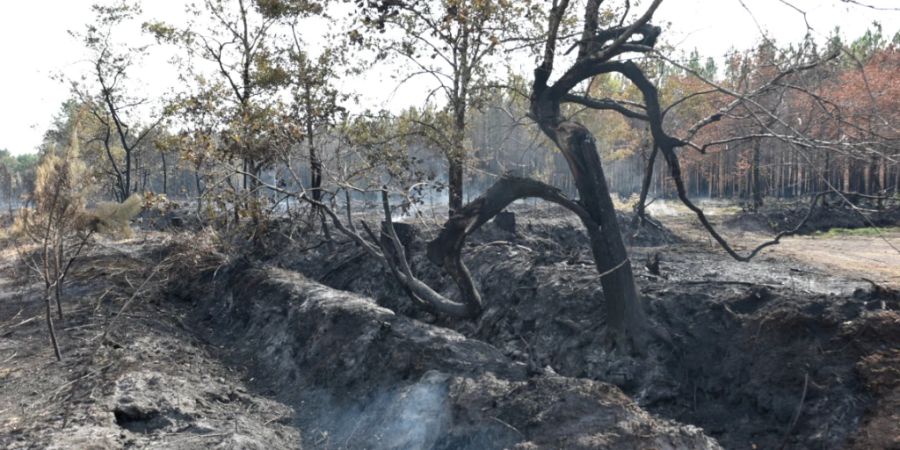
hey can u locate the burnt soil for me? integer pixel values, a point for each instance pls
(305, 345)
(151, 382)
(744, 338)
(786, 216)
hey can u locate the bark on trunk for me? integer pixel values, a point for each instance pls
(641, 206)
(48, 300)
(625, 316)
(456, 161)
(199, 191)
(756, 180)
(623, 308)
(165, 174)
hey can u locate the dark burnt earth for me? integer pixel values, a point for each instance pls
(302, 346)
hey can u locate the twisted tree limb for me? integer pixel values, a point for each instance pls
(445, 250)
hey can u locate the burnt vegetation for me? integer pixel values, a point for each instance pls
(624, 245)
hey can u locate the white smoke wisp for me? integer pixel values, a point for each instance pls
(411, 417)
(663, 208)
(416, 417)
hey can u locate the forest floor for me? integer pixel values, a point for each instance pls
(865, 253)
(795, 349)
(150, 382)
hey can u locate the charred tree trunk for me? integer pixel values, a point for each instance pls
(199, 186)
(315, 164)
(625, 316)
(456, 161)
(641, 206)
(723, 176)
(165, 173)
(845, 185)
(48, 300)
(315, 173)
(623, 306)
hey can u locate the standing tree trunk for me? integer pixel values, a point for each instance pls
(755, 179)
(641, 206)
(199, 190)
(623, 307)
(456, 157)
(723, 176)
(315, 165)
(626, 321)
(128, 188)
(48, 300)
(165, 173)
(867, 177)
(49, 283)
(845, 185)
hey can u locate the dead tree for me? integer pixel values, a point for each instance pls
(599, 52)
(596, 50)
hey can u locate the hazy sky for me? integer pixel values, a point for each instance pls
(34, 44)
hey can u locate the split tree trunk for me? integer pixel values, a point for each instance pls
(623, 307)
(625, 316)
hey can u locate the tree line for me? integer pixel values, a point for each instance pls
(264, 104)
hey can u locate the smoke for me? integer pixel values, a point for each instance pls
(664, 208)
(672, 208)
(411, 417)
(415, 417)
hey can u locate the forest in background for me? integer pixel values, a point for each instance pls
(274, 110)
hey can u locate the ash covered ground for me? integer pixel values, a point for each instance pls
(190, 339)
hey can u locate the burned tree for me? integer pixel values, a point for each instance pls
(601, 46)
(598, 53)
(594, 208)
(596, 50)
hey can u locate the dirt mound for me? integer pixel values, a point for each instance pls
(760, 341)
(739, 353)
(260, 356)
(783, 218)
(881, 372)
(554, 219)
(364, 377)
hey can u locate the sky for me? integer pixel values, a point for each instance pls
(35, 45)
